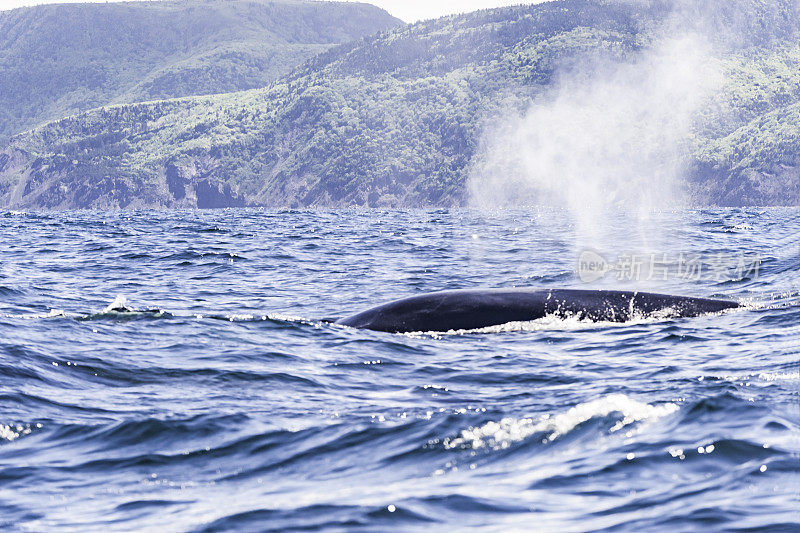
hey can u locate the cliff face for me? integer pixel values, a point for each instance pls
(397, 118)
(59, 60)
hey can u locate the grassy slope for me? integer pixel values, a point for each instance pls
(751, 153)
(394, 120)
(58, 60)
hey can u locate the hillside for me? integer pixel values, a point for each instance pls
(59, 60)
(396, 119)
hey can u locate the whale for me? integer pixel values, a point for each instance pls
(472, 309)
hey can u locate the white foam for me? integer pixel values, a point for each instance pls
(499, 435)
(553, 322)
(240, 318)
(278, 317)
(13, 432)
(51, 314)
(287, 318)
(779, 376)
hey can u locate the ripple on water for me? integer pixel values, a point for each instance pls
(213, 396)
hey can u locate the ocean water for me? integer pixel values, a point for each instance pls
(178, 371)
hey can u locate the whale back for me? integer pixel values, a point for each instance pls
(474, 309)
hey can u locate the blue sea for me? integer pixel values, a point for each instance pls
(180, 371)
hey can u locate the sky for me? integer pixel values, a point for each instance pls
(407, 10)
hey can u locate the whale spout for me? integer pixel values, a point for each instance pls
(474, 309)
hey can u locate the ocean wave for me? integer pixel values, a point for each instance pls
(7, 291)
(189, 256)
(121, 308)
(53, 313)
(210, 394)
(319, 517)
(501, 434)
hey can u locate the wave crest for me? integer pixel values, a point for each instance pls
(500, 435)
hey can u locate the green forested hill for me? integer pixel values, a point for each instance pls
(395, 119)
(58, 60)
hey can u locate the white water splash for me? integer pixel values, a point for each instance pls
(499, 435)
(13, 432)
(120, 304)
(53, 313)
(559, 323)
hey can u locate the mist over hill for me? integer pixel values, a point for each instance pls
(58, 60)
(459, 109)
